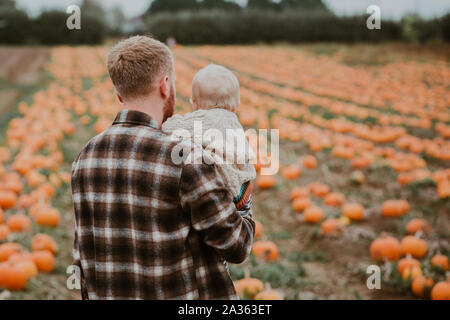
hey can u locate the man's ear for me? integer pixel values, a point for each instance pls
(164, 87)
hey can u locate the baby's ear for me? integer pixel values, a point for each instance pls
(194, 104)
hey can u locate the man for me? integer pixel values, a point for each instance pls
(146, 227)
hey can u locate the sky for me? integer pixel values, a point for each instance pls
(394, 9)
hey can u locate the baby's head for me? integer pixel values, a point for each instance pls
(215, 87)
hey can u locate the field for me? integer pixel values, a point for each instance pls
(364, 159)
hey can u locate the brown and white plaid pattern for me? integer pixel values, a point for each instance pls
(147, 228)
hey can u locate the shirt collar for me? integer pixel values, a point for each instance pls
(135, 117)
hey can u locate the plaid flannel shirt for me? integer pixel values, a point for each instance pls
(147, 228)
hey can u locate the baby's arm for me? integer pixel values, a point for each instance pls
(243, 201)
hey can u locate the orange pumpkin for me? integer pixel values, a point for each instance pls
(394, 208)
(248, 287)
(43, 241)
(313, 215)
(441, 291)
(8, 199)
(291, 172)
(301, 204)
(416, 225)
(309, 162)
(14, 277)
(266, 181)
(268, 295)
(353, 211)
(24, 260)
(407, 262)
(299, 192)
(8, 249)
(319, 190)
(44, 260)
(440, 261)
(331, 226)
(4, 232)
(385, 248)
(19, 223)
(2, 216)
(414, 246)
(258, 229)
(335, 199)
(49, 217)
(411, 272)
(420, 285)
(265, 250)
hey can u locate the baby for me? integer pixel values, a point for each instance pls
(215, 98)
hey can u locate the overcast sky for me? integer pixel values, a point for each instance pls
(389, 8)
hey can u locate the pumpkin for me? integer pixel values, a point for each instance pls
(309, 162)
(353, 211)
(331, 226)
(407, 262)
(266, 181)
(4, 232)
(361, 162)
(440, 261)
(385, 248)
(5, 154)
(411, 272)
(405, 178)
(249, 287)
(301, 204)
(319, 190)
(2, 216)
(65, 177)
(55, 180)
(268, 295)
(335, 199)
(265, 250)
(414, 246)
(43, 241)
(19, 222)
(258, 229)
(299, 192)
(441, 291)
(291, 172)
(420, 285)
(416, 225)
(394, 208)
(443, 189)
(44, 260)
(313, 215)
(8, 199)
(14, 185)
(24, 260)
(14, 277)
(8, 249)
(49, 217)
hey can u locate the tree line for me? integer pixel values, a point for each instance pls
(214, 22)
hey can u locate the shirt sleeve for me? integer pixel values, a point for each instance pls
(77, 264)
(214, 214)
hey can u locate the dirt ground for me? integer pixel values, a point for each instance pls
(22, 65)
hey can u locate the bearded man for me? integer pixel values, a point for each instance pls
(148, 227)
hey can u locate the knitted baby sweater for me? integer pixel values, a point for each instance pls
(221, 135)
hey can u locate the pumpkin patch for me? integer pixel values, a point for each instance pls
(363, 174)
